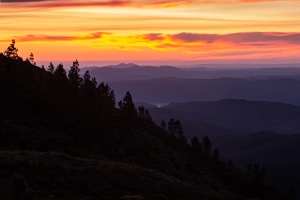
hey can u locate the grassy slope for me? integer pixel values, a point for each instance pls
(66, 177)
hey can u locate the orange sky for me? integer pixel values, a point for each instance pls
(153, 31)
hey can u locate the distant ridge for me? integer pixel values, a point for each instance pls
(164, 90)
(252, 115)
(118, 66)
(132, 71)
(123, 65)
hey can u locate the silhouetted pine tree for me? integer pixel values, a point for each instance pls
(179, 131)
(87, 95)
(11, 51)
(171, 127)
(88, 88)
(141, 111)
(112, 97)
(163, 124)
(128, 109)
(127, 105)
(31, 59)
(206, 144)
(148, 116)
(216, 155)
(144, 114)
(60, 74)
(104, 107)
(51, 68)
(196, 149)
(75, 79)
(61, 92)
(196, 144)
(171, 130)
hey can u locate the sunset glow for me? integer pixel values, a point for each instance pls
(153, 31)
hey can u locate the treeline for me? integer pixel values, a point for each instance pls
(49, 109)
(78, 107)
(204, 147)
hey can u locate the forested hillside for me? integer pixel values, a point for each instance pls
(64, 137)
(254, 132)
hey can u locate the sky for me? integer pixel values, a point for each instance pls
(156, 32)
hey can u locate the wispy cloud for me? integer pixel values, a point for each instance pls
(190, 46)
(123, 3)
(172, 40)
(103, 3)
(237, 38)
(57, 38)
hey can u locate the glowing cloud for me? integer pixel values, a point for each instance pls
(124, 3)
(47, 38)
(153, 29)
(159, 41)
(104, 3)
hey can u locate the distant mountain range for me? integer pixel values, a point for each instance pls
(166, 84)
(133, 71)
(165, 90)
(242, 114)
(123, 65)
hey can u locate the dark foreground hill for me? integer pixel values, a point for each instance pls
(61, 176)
(231, 125)
(62, 137)
(277, 152)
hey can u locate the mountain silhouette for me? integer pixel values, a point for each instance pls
(168, 89)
